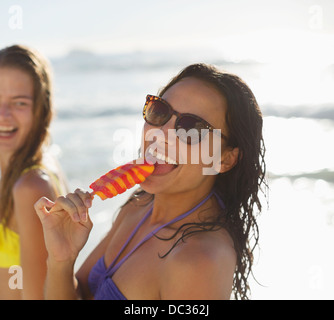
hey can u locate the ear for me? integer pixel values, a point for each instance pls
(228, 160)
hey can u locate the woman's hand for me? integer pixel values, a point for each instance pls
(66, 224)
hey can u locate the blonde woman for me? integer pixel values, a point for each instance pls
(26, 172)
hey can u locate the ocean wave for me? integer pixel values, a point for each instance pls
(85, 77)
(82, 112)
(87, 61)
(325, 174)
(325, 112)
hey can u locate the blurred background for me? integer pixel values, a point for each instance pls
(107, 55)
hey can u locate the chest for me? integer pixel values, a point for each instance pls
(136, 259)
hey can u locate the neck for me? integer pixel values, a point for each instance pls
(169, 206)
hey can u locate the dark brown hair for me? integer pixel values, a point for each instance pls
(30, 153)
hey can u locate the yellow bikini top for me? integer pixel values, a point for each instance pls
(10, 240)
(9, 247)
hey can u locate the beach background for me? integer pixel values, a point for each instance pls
(107, 55)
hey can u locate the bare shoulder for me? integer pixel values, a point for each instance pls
(200, 268)
(33, 182)
(30, 187)
(206, 249)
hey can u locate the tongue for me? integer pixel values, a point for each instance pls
(163, 168)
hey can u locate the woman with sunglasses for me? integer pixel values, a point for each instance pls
(183, 234)
(27, 170)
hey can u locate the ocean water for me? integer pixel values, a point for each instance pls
(99, 100)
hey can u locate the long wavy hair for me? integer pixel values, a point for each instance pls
(239, 187)
(30, 152)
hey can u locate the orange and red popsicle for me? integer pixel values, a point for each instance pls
(120, 179)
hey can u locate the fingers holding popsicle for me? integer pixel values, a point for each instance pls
(114, 182)
(76, 205)
(107, 186)
(66, 224)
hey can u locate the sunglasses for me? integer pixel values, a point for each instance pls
(158, 112)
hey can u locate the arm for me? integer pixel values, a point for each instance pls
(66, 226)
(60, 283)
(27, 190)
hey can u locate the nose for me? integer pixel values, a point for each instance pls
(5, 111)
(169, 131)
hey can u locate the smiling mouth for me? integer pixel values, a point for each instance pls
(7, 131)
(163, 164)
(161, 157)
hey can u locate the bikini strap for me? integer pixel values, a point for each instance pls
(130, 238)
(219, 199)
(113, 268)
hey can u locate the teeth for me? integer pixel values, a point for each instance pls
(6, 129)
(161, 156)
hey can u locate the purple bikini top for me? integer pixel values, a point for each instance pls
(100, 277)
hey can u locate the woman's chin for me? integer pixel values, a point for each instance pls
(160, 181)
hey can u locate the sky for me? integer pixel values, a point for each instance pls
(240, 29)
